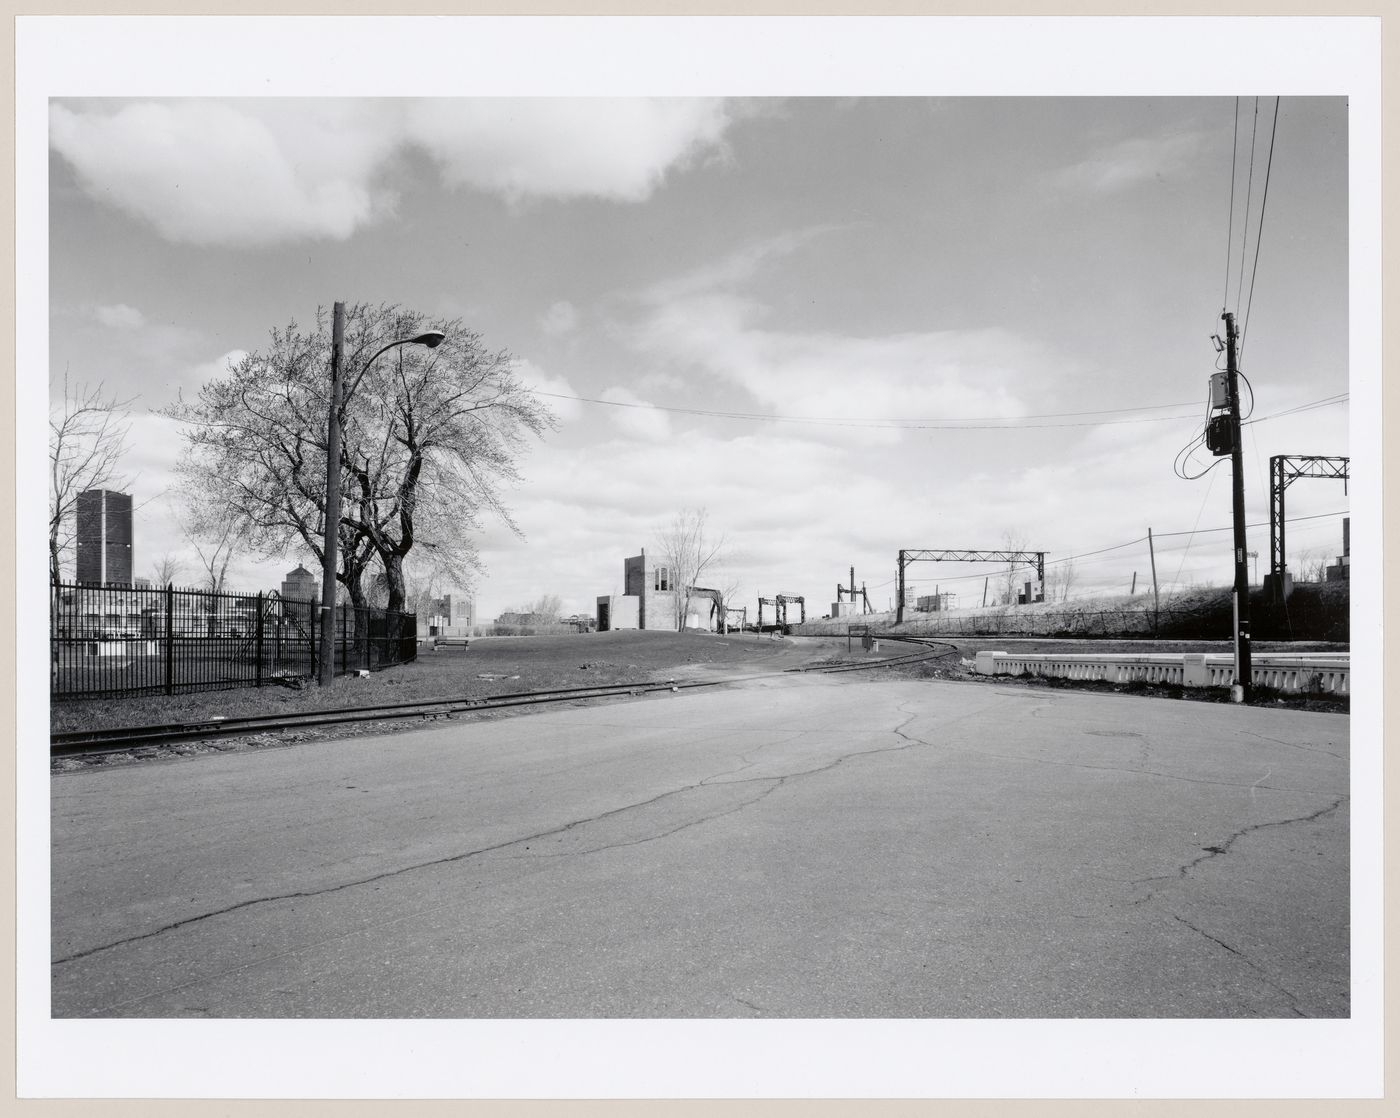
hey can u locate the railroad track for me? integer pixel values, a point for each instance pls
(125, 739)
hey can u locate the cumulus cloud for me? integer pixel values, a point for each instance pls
(636, 417)
(610, 148)
(120, 317)
(257, 172)
(207, 173)
(552, 389)
(1126, 164)
(736, 267)
(970, 374)
(560, 318)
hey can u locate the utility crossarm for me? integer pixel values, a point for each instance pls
(1284, 469)
(907, 556)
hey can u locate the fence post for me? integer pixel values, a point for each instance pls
(344, 633)
(170, 638)
(367, 633)
(258, 639)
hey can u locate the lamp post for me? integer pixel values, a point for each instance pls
(330, 554)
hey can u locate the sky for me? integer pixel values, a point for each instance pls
(841, 326)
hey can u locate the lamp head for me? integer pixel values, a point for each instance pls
(432, 339)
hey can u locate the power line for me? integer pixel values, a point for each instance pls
(1230, 228)
(968, 424)
(1314, 405)
(1259, 236)
(1248, 199)
(1002, 568)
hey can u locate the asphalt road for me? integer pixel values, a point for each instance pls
(795, 847)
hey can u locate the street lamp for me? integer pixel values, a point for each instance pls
(330, 554)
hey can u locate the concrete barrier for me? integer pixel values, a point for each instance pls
(1283, 671)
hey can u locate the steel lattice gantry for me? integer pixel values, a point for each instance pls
(1284, 469)
(911, 556)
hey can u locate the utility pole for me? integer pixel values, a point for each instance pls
(1156, 601)
(330, 558)
(1244, 665)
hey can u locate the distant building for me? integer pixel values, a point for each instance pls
(105, 538)
(452, 615)
(454, 611)
(300, 589)
(649, 600)
(1342, 568)
(935, 603)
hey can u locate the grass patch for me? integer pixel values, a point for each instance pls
(488, 666)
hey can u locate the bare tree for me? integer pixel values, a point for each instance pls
(213, 541)
(165, 571)
(1011, 541)
(1060, 581)
(545, 609)
(1312, 565)
(690, 553)
(87, 439)
(430, 438)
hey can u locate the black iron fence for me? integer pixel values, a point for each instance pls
(108, 640)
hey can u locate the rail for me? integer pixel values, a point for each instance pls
(123, 739)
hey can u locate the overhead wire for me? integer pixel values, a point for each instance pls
(1097, 553)
(1248, 203)
(1259, 235)
(977, 423)
(1230, 234)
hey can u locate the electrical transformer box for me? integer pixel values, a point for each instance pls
(1219, 433)
(1220, 390)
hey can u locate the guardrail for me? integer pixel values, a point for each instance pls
(1283, 671)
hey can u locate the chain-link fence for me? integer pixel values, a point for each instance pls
(107, 640)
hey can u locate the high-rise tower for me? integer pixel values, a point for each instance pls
(104, 538)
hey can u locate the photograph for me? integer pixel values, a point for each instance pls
(625, 554)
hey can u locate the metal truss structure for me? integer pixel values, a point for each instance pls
(907, 556)
(1284, 469)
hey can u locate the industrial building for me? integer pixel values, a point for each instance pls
(648, 601)
(104, 534)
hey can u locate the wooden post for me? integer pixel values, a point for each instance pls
(1156, 601)
(330, 557)
(170, 638)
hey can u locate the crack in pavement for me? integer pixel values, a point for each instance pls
(1218, 849)
(1292, 745)
(1123, 769)
(1292, 998)
(776, 781)
(301, 894)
